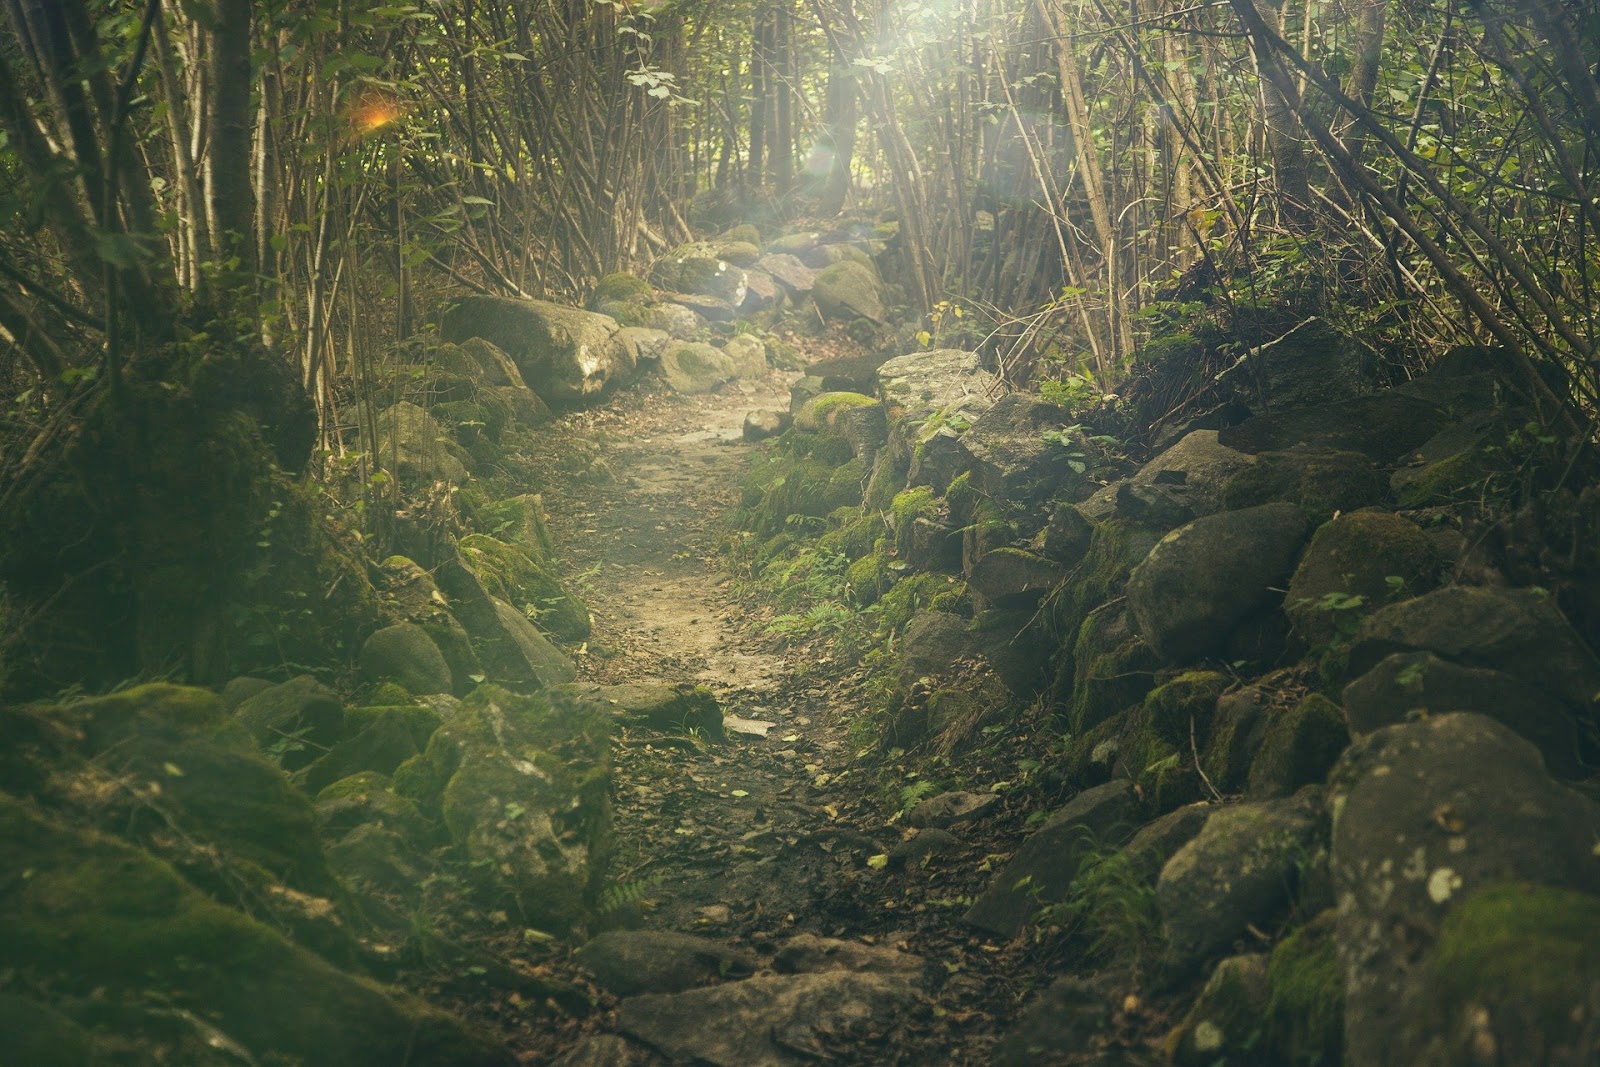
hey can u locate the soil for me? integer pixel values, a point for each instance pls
(780, 828)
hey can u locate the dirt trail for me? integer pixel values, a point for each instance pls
(764, 835)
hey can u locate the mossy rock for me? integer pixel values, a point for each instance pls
(868, 578)
(303, 595)
(384, 738)
(384, 695)
(1091, 756)
(786, 487)
(216, 787)
(1224, 1022)
(1305, 1009)
(1112, 668)
(1115, 547)
(473, 422)
(366, 799)
(1182, 708)
(510, 574)
(855, 533)
(94, 914)
(1321, 483)
(845, 484)
(913, 594)
(520, 521)
(1299, 747)
(1354, 565)
(1237, 730)
(420, 722)
(1516, 966)
(621, 288)
(525, 796)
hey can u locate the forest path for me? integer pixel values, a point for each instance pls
(772, 832)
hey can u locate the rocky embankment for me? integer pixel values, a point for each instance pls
(1325, 760)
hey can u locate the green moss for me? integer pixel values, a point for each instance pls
(1112, 669)
(520, 521)
(961, 499)
(868, 578)
(911, 595)
(855, 533)
(829, 403)
(1528, 956)
(916, 502)
(93, 914)
(508, 572)
(957, 601)
(218, 789)
(40, 1036)
(845, 484)
(1224, 1026)
(622, 288)
(1184, 705)
(1451, 479)
(419, 722)
(390, 694)
(1305, 1012)
(354, 785)
(1115, 548)
(789, 486)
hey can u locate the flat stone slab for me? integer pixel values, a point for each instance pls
(773, 1020)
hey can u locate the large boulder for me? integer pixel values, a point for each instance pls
(89, 916)
(1516, 970)
(696, 367)
(291, 719)
(1519, 631)
(1013, 578)
(698, 269)
(410, 594)
(1405, 684)
(416, 447)
(523, 786)
(916, 385)
(404, 653)
(1193, 472)
(1323, 482)
(788, 271)
(1425, 815)
(1240, 870)
(510, 574)
(781, 1020)
(510, 648)
(848, 290)
(1354, 565)
(1019, 451)
(218, 795)
(1383, 427)
(1298, 747)
(858, 419)
(565, 354)
(630, 962)
(1203, 579)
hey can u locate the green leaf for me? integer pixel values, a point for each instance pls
(878, 862)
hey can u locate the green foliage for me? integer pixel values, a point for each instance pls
(1305, 1015)
(1111, 904)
